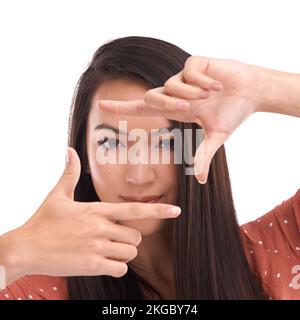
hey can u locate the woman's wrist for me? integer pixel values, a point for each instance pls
(277, 91)
(12, 260)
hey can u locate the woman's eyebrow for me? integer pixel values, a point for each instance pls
(116, 130)
(107, 126)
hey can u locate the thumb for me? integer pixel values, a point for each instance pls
(69, 179)
(205, 153)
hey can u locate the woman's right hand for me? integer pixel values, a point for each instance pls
(69, 238)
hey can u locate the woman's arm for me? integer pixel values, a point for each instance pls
(279, 92)
(218, 95)
(12, 262)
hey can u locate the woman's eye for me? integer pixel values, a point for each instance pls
(109, 143)
(112, 143)
(167, 143)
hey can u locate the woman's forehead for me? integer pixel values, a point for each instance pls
(121, 89)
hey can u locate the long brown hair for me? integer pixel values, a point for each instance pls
(208, 255)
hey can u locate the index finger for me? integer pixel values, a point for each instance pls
(137, 210)
(132, 107)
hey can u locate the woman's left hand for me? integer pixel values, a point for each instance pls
(217, 94)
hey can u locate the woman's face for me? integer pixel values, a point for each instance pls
(129, 182)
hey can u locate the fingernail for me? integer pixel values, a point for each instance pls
(217, 86)
(173, 211)
(182, 105)
(202, 181)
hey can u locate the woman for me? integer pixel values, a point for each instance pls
(125, 248)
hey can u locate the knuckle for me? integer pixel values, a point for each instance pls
(169, 84)
(120, 271)
(90, 213)
(90, 208)
(138, 238)
(133, 252)
(93, 246)
(140, 109)
(188, 61)
(168, 105)
(100, 228)
(90, 264)
(189, 74)
(148, 96)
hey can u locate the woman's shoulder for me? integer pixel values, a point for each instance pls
(36, 287)
(277, 229)
(272, 247)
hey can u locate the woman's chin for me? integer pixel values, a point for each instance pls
(146, 227)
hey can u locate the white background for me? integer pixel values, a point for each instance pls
(46, 45)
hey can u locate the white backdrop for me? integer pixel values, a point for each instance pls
(46, 45)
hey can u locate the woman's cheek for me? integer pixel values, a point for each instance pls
(106, 181)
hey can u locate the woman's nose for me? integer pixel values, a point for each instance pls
(140, 174)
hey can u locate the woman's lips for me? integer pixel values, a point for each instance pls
(144, 199)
